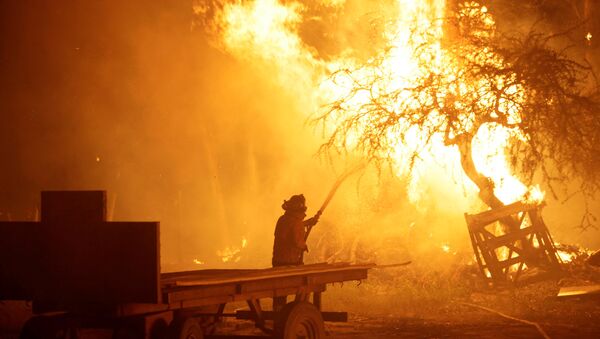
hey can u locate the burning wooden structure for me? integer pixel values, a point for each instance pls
(502, 258)
(99, 274)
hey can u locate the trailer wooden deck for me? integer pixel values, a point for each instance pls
(192, 289)
(206, 287)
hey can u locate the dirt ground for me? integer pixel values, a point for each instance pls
(374, 328)
(475, 324)
(414, 302)
(412, 328)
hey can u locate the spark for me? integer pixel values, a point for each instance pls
(588, 36)
(198, 262)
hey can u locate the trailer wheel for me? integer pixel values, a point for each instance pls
(300, 319)
(185, 328)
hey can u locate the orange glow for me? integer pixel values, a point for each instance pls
(267, 32)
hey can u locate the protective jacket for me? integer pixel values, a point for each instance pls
(290, 243)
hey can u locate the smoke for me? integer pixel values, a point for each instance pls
(130, 99)
(133, 99)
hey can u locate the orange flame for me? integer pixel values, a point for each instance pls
(266, 31)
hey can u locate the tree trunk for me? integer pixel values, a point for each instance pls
(485, 184)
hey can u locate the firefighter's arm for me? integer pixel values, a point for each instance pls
(312, 221)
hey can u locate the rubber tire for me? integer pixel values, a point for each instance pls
(185, 328)
(299, 319)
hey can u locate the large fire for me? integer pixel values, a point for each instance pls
(267, 31)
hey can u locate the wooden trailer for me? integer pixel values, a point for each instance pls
(82, 272)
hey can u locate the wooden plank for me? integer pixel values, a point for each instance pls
(199, 292)
(130, 309)
(257, 312)
(508, 238)
(271, 273)
(332, 277)
(170, 279)
(478, 255)
(264, 294)
(271, 284)
(509, 262)
(317, 300)
(221, 299)
(263, 284)
(256, 292)
(280, 292)
(476, 221)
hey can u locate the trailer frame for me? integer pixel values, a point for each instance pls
(81, 271)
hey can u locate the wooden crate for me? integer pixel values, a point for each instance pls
(504, 254)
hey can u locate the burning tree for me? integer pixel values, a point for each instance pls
(466, 86)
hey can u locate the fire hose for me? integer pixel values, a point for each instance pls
(333, 190)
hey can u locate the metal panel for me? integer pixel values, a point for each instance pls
(19, 260)
(80, 263)
(75, 257)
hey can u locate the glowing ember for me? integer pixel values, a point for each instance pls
(588, 36)
(232, 253)
(198, 262)
(565, 257)
(446, 248)
(570, 253)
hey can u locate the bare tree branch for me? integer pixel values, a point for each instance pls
(517, 81)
